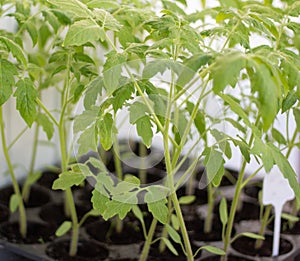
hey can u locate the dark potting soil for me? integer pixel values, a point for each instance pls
(252, 190)
(229, 258)
(106, 233)
(38, 196)
(54, 213)
(47, 178)
(87, 251)
(196, 227)
(4, 213)
(37, 233)
(249, 211)
(246, 246)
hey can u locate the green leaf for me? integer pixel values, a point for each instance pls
(31, 28)
(286, 169)
(137, 111)
(121, 95)
(15, 49)
(214, 250)
(67, 180)
(191, 67)
(227, 70)
(173, 234)
(7, 72)
(112, 70)
(175, 222)
(199, 120)
(93, 89)
(289, 101)
(106, 131)
(170, 246)
(26, 95)
(156, 201)
(214, 166)
(223, 211)
(107, 20)
(86, 119)
(144, 130)
(296, 113)
(105, 4)
(278, 136)
(250, 235)
(186, 200)
(74, 7)
(263, 82)
(63, 228)
(289, 217)
(14, 202)
(51, 19)
(222, 142)
(99, 200)
(117, 208)
(97, 164)
(82, 32)
(46, 124)
(87, 140)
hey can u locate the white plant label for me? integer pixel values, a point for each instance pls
(276, 192)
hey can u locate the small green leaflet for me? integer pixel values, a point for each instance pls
(296, 113)
(7, 72)
(82, 32)
(14, 202)
(186, 200)
(93, 89)
(223, 211)
(119, 208)
(112, 70)
(214, 250)
(67, 180)
(31, 28)
(46, 124)
(144, 130)
(227, 70)
(173, 234)
(63, 228)
(15, 49)
(87, 140)
(214, 164)
(106, 131)
(26, 95)
(86, 119)
(156, 201)
(170, 246)
(99, 201)
(137, 111)
(289, 101)
(278, 136)
(107, 20)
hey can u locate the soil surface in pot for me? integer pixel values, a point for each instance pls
(37, 233)
(246, 246)
(105, 232)
(54, 213)
(252, 190)
(229, 258)
(38, 196)
(87, 251)
(4, 213)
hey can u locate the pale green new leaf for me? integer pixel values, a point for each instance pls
(296, 113)
(93, 89)
(26, 95)
(15, 49)
(67, 180)
(7, 72)
(214, 250)
(63, 228)
(82, 32)
(186, 200)
(278, 136)
(119, 208)
(223, 211)
(32, 30)
(170, 246)
(173, 234)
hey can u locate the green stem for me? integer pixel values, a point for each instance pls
(26, 187)
(211, 201)
(264, 222)
(142, 169)
(22, 213)
(233, 208)
(146, 248)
